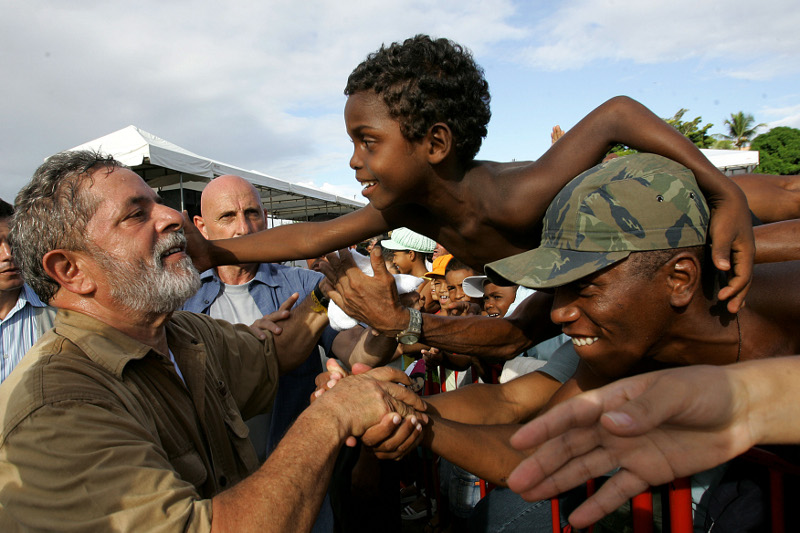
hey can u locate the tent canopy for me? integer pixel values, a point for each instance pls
(733, 161)
(168, 167)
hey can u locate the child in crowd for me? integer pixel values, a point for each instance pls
(455, 273)
(496, 298)
(417, 112)
(410, 254)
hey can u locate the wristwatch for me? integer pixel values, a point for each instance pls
(319, 302)
(411, 334)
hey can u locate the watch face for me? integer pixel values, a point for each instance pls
(408, 338)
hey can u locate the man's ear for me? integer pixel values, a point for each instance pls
(201, 225)
(68, 269)
(439, 142)
(683, 278)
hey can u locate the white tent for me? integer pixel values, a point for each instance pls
(168, 167)
(733, 162)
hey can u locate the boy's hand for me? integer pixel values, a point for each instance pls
(197, 246)
(732, 242)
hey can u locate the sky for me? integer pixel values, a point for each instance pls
(259, 84)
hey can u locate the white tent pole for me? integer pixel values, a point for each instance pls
(180, 175)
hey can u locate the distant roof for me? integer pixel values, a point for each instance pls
(167, 166)
(732, 159)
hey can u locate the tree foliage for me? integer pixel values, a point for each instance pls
(778, 150)
(691, 129)
(741, 128)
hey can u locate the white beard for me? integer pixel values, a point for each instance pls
(147, 287)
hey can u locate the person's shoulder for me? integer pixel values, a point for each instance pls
(291, 273)
(54, 370)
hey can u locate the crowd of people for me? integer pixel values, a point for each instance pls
(587, 317)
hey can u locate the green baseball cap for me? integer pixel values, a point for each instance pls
(635, 203)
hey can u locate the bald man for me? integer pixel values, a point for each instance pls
(230, 206)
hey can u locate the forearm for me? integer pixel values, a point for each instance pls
(777, 242)
(624, 120)
(285, 494)
(298, 241)
(474, 335)
(362, 345)
(772, 389)
(510, 403)
(771, 198)
(300, 334)
(482, 450)
(478, 403)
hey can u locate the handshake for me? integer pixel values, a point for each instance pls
(376, 406)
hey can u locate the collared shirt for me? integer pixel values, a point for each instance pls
(99, 433)
(271, 286)
(21, 328)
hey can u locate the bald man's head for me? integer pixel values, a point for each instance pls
(230, 206)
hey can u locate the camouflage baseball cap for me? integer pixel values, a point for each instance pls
(634, 203)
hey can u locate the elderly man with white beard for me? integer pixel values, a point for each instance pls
(128, 415)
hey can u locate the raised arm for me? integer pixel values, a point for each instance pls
(779, 241)
(626, 121)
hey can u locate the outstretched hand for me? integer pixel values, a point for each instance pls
(197, 246)
(369, 299)
(655, 427)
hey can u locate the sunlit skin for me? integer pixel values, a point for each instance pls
(439, 250)
(402, 260)
(439, 286)
(482, 211)
(10, 275)
(389, 167)
(428, 302)
(616, 311)
(455, 285)
(497, 299)
(129, 220)
(231, 207)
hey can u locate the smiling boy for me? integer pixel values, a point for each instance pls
(417, 112)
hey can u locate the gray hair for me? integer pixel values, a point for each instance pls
(52, 211)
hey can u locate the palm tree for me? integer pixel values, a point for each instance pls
(741, 129)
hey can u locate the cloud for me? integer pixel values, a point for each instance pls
(256, 84)
(787, 116)
(760, 39)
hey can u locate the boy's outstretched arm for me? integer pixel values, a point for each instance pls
(623, 120)
(284, 243)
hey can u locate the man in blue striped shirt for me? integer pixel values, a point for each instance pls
(23, 317)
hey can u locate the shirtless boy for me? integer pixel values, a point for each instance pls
(417, 112)
(634, 293)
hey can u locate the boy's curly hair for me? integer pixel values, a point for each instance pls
(424, 81)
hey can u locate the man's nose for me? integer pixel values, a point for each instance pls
(167, 218)
(564, 310)
(5, 251)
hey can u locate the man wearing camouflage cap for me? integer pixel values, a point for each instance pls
(624, 252)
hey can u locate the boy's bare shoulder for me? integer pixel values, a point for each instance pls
(515, 193)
